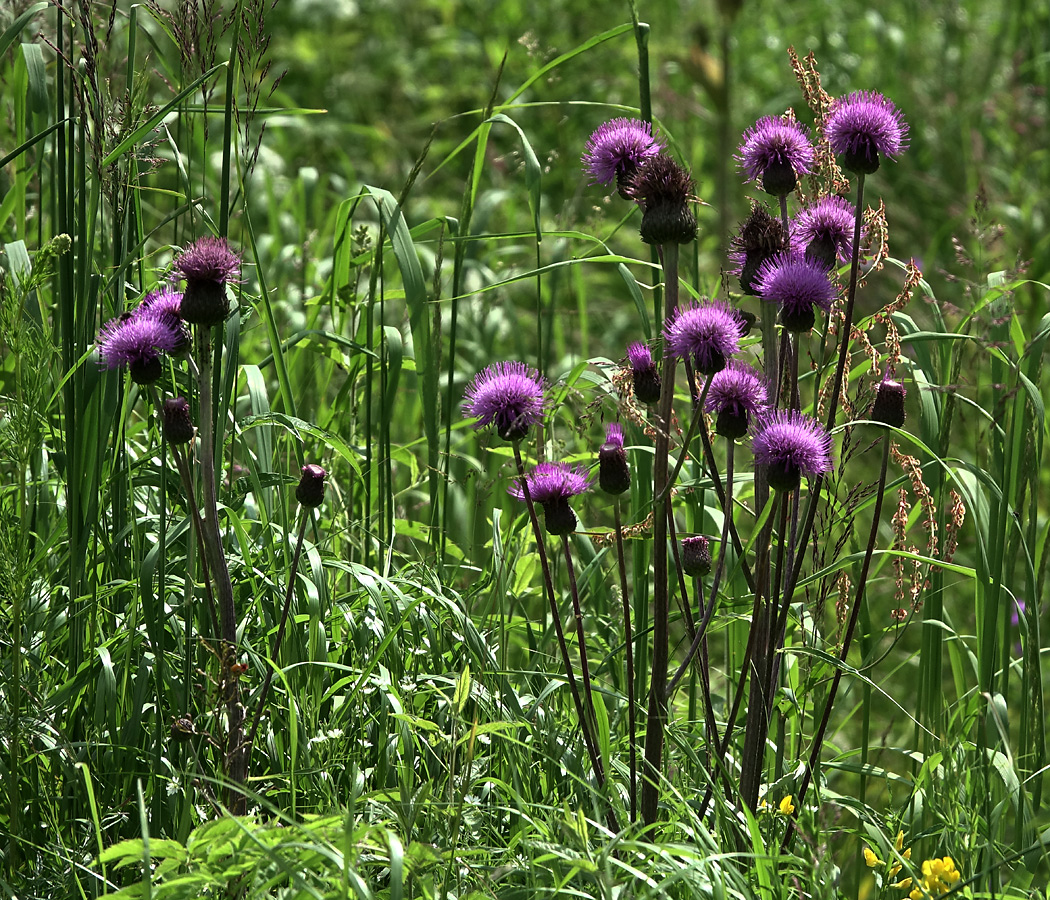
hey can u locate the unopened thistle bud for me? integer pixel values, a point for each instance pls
(696, 556)
(310, 492)
(176, 421)
(645, 375)
(761, 237)
(888, 407)
(614, 475)
(664, 190)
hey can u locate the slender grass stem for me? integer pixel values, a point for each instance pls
(818, 738)
(629, 646)
(588, 737)
(581, 636)
(260, 706)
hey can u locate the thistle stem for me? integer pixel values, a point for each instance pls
(657, 714)
(581, 636)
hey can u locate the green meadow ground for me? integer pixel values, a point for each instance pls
(403, 182)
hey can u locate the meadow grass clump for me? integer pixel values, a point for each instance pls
(473, 510)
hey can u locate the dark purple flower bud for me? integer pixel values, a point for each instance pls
(790, 445)
(823, 232)
(708, 331)
(737, 394)
(176, 422)
(761, 237)
(888, 407)
(616, 150)
(696, 556)
(508, 394)
(552, 485)
(643, 369)
(310, 492)
(138, 343)
(664, 190)
(207, 265)
(776, 151)
(862, 126)
(796, 284)
(614, 475)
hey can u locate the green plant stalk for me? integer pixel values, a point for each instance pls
(304, 519)
(657, 714)
(818, 738)
(629, 648)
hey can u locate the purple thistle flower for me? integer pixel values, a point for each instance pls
(137, 342)
(863, 125)
(790, 445)
(166, 305)
(796, 284)
(737, 394)
(824, 231)
(207, 265)
(509, 394)
(646, 377)
(551, 485)
(616, 150)
(776, 151)
(709, 332)
(614, 475)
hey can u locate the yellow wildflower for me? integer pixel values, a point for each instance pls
(903, 884)
(939, 875)
(786, 806)
(871, 859)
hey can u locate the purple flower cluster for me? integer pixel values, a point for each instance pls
(863, 126)
(615, 151)
(823, 232)
(207, 265)
(796, 284)
(140, 338)
(709, 332)
(510, 396)
(790, 445)
(552, 485)
(775, 152)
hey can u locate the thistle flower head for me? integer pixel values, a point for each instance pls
(552, 485)
(664, 190)
(176, 422)
(776, 151)
(760, 237)
(888, 407)
(614, 475)
(207, 265)
(737, 394)
(138, 343)
(166, 304)
(508, 394)
(616, 150)
(796, 284)
(709, 332)
(696, 556)
(645, 375)
(863, 126)
(310, 490)
(823, 232)
(790, 445)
